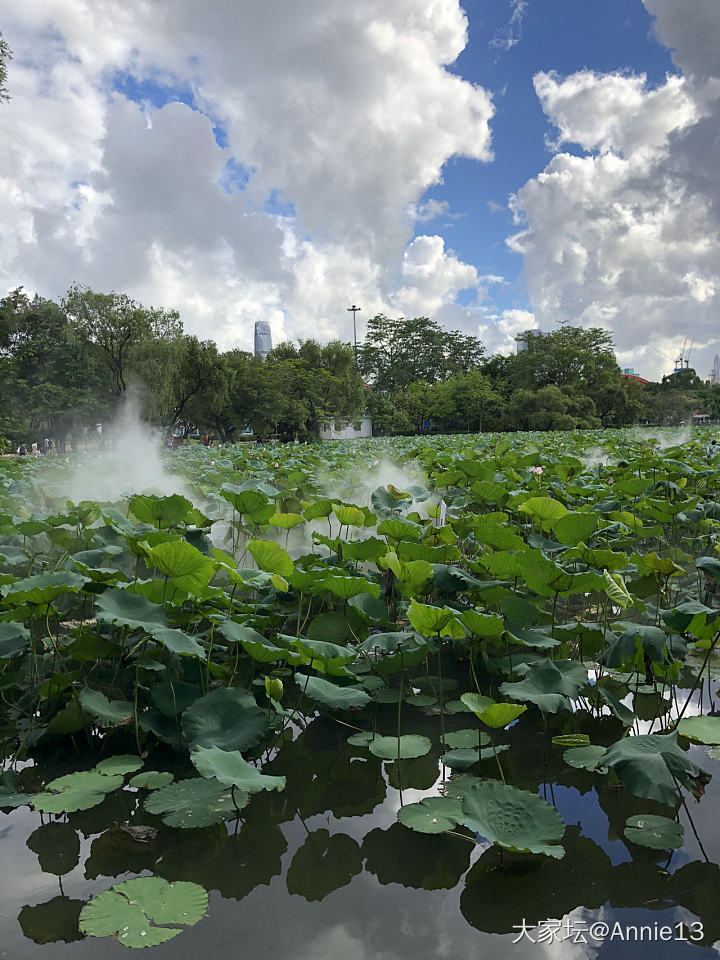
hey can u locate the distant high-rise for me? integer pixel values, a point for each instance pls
(263, 339)
(715, 375)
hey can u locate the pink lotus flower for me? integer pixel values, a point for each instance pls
(277, 464)
(537, 471)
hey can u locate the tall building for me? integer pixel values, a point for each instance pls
(715, 373)
(263, 339)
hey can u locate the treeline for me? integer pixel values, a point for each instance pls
(65, 367)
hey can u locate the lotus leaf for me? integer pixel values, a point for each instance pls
(431, 815)
(512, 818)
(194, 803)
(231, 769)
(227, 717)
(129, 911)
(658, 833)
(399, 748)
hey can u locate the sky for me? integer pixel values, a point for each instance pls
(497, 165)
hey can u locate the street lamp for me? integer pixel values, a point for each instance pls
(353, 309)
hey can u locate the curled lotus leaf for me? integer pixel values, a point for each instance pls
(512, 818)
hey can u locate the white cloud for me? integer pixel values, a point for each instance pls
(628, 236)
(509, 35)
(431, 276)
(347, 112)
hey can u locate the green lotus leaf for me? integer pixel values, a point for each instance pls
(364, 550)
(466, 738)
(700, 729)
(271, 557)
(574, 528)
(648, 765)
(512, 818)
(226, 717)
(545, 509)
(431, 815)
(260, 649)
(617, 708)
(499, 715)
(160, 511)
(194, 803)
(106, 713)
(42, 588)
(231, 769)
(151, 780)
(76, 791)
(551, 685)
(347, 587)
(246, 502)
(332, 696)
(285, 520)
(587, 757)
(658, 833)
(188, 568)
(400, 748)
(180, 643)
(571, 740)
(129, 610)
(14, 640)
(390, 642)
(349, 516)
(126, 763)
(129, 911)
(428, 620)
(482, 625)
(476, 703)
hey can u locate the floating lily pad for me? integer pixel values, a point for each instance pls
(431, 815)
(400, 748)
(658, 833)
(76, 791)
(129, 911)
(701, 729)
(194, 803)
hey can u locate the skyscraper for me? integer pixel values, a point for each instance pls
(715, 375)
(263, 339)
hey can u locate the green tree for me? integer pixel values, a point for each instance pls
(550, 408)
(51, 382)
(120, 327)
(396, 353)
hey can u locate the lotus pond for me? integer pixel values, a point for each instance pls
(396, 698)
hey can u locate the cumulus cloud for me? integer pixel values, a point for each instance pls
(280, 174)
(627, 236)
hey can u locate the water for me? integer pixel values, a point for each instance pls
(323, 870)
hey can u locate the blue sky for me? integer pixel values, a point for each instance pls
(564, 36)
(280, 161)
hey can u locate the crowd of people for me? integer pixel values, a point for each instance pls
(32, 450)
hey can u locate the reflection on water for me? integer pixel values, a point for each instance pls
(323, 871)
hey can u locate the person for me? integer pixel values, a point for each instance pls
(712, 449)
(22, 450)
(34, 450)
(206, 440)
(46, 446)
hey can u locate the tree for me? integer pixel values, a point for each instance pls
(119, 326)
(5, 57)
(551, 409)
(180, 377)
(51, 382)
(396, 353)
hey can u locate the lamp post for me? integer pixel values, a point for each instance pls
(353, 309)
